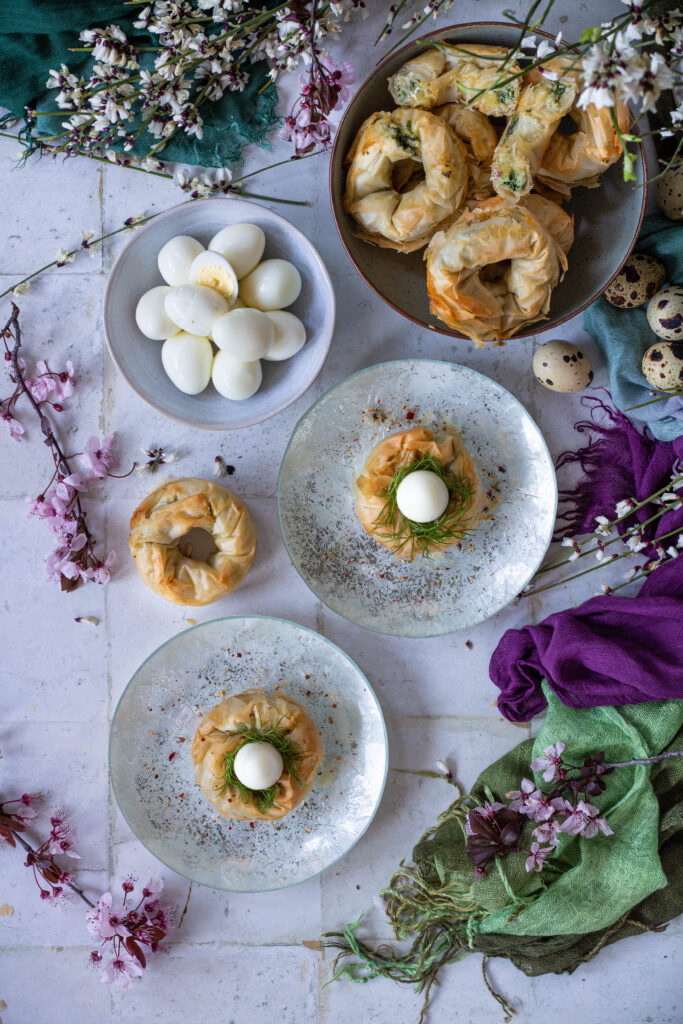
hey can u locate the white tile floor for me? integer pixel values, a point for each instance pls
(241, 958)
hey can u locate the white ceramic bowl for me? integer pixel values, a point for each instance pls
(139, 359)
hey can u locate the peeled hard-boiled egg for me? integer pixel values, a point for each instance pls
(290, 335)
(241, 245)
(195, 308)
(274, 284)
(422, 496)
(213, 271)
(245, 334)
(151, 316)
(258, 765)
(187, 360)
(175, 259)
(235, 379)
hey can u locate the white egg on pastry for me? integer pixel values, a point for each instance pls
(422, 496)
(258, 766)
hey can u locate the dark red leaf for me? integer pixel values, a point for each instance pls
(133, 948)
(7, 836)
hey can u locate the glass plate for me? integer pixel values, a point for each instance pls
(151, 764)
(350, 571)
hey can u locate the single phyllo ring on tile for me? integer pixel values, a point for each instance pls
(407, 177)
(419, 492)
(459, 73)
(493, 271)
(256, 755)
(193, 541)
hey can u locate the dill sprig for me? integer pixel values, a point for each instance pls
(262, 799)
(440, 533)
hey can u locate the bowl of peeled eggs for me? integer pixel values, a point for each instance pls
(479, 199)
(219, 313)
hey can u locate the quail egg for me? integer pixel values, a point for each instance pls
(637, 281)
(422, 496)
(562, 366)
(151, 316)
(665, 313)
(195, 308)
(670, 193)
(245, 334)
(663, 365)
(241, 245)
(212, 270)
(235, 379)
(289, 335)
(187, 360)
(258, 765)
(175, 259)
(273, 284)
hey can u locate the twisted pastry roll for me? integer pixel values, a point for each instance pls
(407, 177)
(480, 138)
(581, 158)
(166, 515)
(494, 270)
(453, 73)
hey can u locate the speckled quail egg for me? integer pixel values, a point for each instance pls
(175, 259)
(187, 360)
(274, 284)
(637, 281)
(245, 334)
(195, 308)
(213, 271)
(663, 365)
(562, 366)
(151, 316)
(290, 335)
(235, 379)
(665, 313)
(241, 245)
(670, 193)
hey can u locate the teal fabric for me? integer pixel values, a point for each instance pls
(624, 335)
(35, 36)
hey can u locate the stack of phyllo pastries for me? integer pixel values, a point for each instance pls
(478, 177)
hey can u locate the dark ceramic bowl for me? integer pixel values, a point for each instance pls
(606, 219)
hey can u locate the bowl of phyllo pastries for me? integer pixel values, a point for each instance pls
(474, 194)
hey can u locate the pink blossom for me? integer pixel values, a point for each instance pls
(99, 573)
(551, 761)
(153, 887)
(343, 77)
(102, 922)
(122, 971)
(65, 382)
(524, 800)
(41, 507)
(99, 457)
(585, 821)
(546, 832)
(16, 429)
(537, 855)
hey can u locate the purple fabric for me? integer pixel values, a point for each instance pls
(612, 649)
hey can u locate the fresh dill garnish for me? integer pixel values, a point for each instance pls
(451, 525)
(262, 799)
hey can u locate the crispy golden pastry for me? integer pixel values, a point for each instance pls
(480, 139)
(228, 726)
(407, 177)
(581, 158)
(166, 515)
(453, 73)
(492, 273)
(542, 105)
(403, 449)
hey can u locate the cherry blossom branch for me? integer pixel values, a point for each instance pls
(34, 853)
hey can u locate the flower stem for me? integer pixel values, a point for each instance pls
(646, 760)
(74, 888)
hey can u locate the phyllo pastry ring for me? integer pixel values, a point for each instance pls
(494, 270)
(581, 158)
(256, 717)
(166, 515)
(407, 177)
(454, 73)
(406, 448)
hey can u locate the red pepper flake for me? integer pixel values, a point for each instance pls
(251, 824)
(171, 755)
(181, 739)
(181, 795)
(239, 655)
(330, 720)
(502, 469)
(382, 575)
(468, 645)
(156, 776)
(410, 415)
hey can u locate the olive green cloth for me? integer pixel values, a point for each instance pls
(590, 892)
(36, 36)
